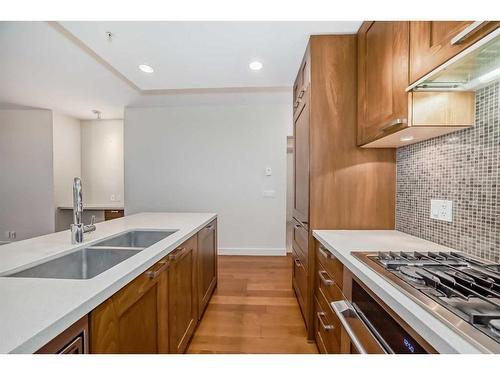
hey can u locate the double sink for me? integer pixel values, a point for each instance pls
(90, 261)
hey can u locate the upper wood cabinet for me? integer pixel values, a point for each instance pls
(135, 319)
(182, 296)
(301, 84)
(388, 115)
(207, 265)
(434, 42)
(382, 78)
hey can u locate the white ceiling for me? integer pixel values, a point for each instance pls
(40, 67)
(193, 55)
(74, 68)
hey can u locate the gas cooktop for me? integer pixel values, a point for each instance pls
(461, 289)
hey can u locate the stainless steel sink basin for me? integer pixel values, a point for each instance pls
(81, 264)
(135, 239)
(97, 258)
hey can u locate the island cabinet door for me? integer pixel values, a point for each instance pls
(135, 319)
(183, 299)
(207, 265)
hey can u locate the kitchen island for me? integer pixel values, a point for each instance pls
(35, 310)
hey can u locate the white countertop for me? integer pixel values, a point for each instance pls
(342, 242)
(36, 310)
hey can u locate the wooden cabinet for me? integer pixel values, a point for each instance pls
(113, 214)
(300, 283)
(135, 319)
(182, 295)
(158, 311)
(383, 49)
(388, 116)
(207, 265)
(327, 328)
(301, 85)
(337, 184)
(328, 331)
(301, 163)
(434, 42)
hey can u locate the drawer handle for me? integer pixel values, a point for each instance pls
(393, 123)
(465, 33)
(326, 327)
(325, 252)
(154, 274)
(114, 211)
(176, 254)
(344, 310)
(297, 262)
(324, 280)
(210, 227)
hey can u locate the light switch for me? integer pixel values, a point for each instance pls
(269, 171)
(269, 193)
(442, 210)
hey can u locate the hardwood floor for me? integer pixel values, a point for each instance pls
(253, 310)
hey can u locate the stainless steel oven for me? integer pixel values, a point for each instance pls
(372, 327)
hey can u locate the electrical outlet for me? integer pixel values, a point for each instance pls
(112, 198)
(442, 210)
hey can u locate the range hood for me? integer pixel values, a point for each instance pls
(473, 68)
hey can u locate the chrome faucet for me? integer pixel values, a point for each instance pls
(77, 228)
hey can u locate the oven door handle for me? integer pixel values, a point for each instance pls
(343, 309)
(345, 312)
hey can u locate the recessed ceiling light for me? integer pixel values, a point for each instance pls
(406, 138)
(255, 65)
(146, 68)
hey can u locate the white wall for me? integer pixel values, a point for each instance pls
(26, 170)
(102, 161)
(67, 157)
(212, 158)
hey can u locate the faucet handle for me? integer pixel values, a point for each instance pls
(92, 220)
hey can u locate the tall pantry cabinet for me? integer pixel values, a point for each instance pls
(337, 184)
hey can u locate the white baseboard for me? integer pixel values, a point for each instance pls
(252, 251)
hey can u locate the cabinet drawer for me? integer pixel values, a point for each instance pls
(300, 238)
(327, 285)
(331, 264)
(327, 327)
(299, 281)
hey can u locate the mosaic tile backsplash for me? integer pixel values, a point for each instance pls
(463, 167)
